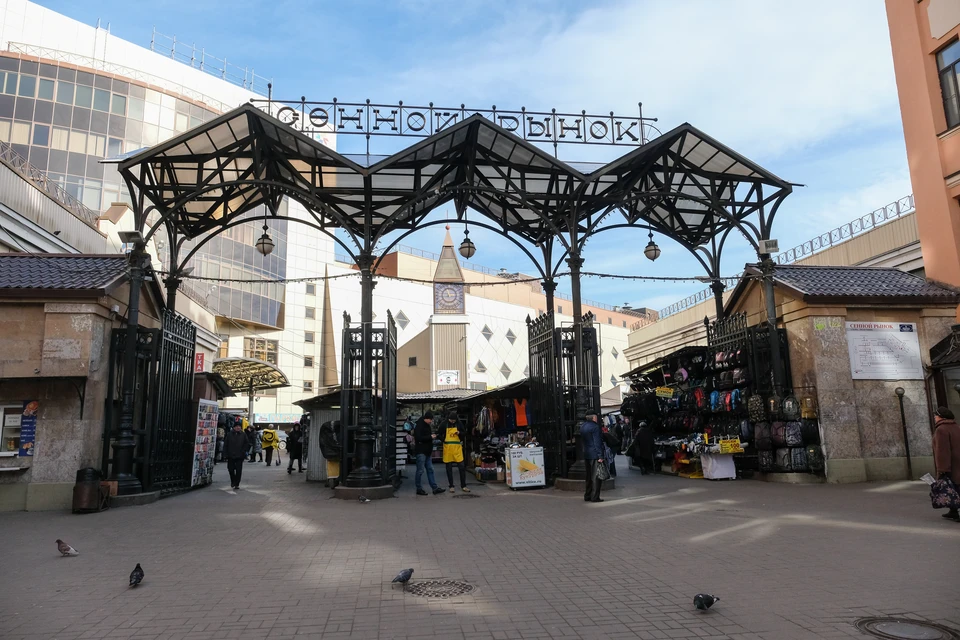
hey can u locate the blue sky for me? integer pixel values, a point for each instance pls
(805, 89)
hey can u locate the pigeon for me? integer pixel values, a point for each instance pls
(66, 549)
(403, 577)
(136, 576)
(365, 499)
(704, 601)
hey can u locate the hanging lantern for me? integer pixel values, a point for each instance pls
(652, 251)
(265, 242)
(467, 248)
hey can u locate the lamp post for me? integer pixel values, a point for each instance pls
(906, 441)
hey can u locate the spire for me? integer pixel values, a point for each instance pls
(448, 267)
(328, 348)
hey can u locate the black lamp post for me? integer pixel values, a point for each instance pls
(906, 441)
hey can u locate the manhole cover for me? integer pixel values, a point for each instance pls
(466, 495)
(899, 629)
(440, 589)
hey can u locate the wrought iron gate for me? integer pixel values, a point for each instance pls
(545, 396)
(580, 384)
(170, 446)
(383, 342)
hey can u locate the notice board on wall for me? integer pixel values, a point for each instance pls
(884, 351)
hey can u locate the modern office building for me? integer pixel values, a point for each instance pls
(73, 95)
(925, 38)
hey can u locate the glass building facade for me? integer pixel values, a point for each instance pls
(66, 119)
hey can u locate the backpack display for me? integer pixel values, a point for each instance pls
(746, 431)
(700, 398)
(815, 458)
(715, 401)
(761, 434)
(778, 434)
(810, 430)
(792, 434)
(798, 458)
(783, 460)
(790, 408)
(756, 408)
(765, 460)
(736, 400)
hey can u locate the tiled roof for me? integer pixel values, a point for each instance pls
(441, 394)
(21, 272)
(876, 283)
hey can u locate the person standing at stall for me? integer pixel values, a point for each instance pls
(423, 437)
(235, 450)
(592, 456)
(453, 452)
(270, 440)
(295, 448)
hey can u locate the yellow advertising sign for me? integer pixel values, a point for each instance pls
(731, 446)
(664, 392)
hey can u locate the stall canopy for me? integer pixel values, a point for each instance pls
(244, 374)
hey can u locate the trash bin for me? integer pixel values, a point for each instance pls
(86, 492)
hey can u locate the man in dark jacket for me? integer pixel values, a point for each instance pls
(592, 455)
(295, 448)
(423, 437)
(235, 449)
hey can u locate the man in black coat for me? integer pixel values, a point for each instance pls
(423, 437)
(235, 450)
(592, 439)
(295, 448)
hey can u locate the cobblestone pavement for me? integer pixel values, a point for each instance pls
(279, 559)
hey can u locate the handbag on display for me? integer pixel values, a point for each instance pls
(603, 473)
(944, 494)
(792, 434)
(762, 439)
(765, 460)
(815, 458)
(756, 408)
(798, 458)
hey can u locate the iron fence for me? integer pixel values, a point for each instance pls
(199, 59)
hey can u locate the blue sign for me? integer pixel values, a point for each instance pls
(907, 328)
(28, 427)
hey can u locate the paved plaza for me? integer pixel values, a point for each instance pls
(280, 559)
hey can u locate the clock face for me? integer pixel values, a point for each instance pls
(448, 298)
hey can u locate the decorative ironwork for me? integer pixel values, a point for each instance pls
(172, 437)
(728, 331)
(545, 395)
(578, 366)
(442, 589)
(374, 119)
(383, 355)
(844, 232)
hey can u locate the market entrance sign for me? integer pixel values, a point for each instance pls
(366, 118)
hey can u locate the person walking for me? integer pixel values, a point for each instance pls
(453, 452)
(946, 451)
(257, 445)
(330, 450)
(270, 440)
(295, 449)
(423, 437)
(251, 435)
(592, 456)
(235, 450)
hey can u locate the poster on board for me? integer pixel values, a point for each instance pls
(884, 351)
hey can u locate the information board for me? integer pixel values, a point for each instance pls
(884, 351)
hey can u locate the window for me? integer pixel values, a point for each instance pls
(41, 135)
(308, 361)
(60, 137)
(10, 428)
(479, 386)
(480, 368)
(224, 349)
(311, 289)
(11, 84)
(559, 308)
(118, 105)
(114, 147)
(308, 385)
(101, 100)
(308, 336)
(84, 97)
(486, 333)
(78, 142)
(261, 349)
(412, 362)
(511, 336)
(613, 380)
(402, 320)
(28, 86)
(948, 65)
(615, 352)
(45, 91)
(64, 92)
(624, 324)
(311, 312)
(609, 320)
(20, 134)
(96, 145)
(526, 371)
(505, 370)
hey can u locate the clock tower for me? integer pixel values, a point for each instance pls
(448, 324)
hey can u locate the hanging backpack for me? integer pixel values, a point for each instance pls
(715, 401)
(746, 431)
(792, 434)
(761, 435)
(736, 400)
(727, 401)
(814, 458)
(798, 459)
(783, 461)
(790, 408)
(778, 434)
(810, 430)
(765, 460)
(756, 408)
(700, 399)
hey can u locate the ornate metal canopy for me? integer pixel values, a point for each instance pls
(245, 373)
(683, 184)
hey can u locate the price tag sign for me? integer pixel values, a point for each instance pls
(664, 392)
(731, 446)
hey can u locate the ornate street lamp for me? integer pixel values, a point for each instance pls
(652, 251)
(467, 248)
(265, 242)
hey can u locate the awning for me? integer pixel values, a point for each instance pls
(241, 373)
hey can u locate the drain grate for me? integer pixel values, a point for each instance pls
(466, 495)
(440, 588)
(903, 629)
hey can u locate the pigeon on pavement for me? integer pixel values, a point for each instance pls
(66, 549)
(704, 601)
(365, 499)
(136, 576)
(403, 577)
